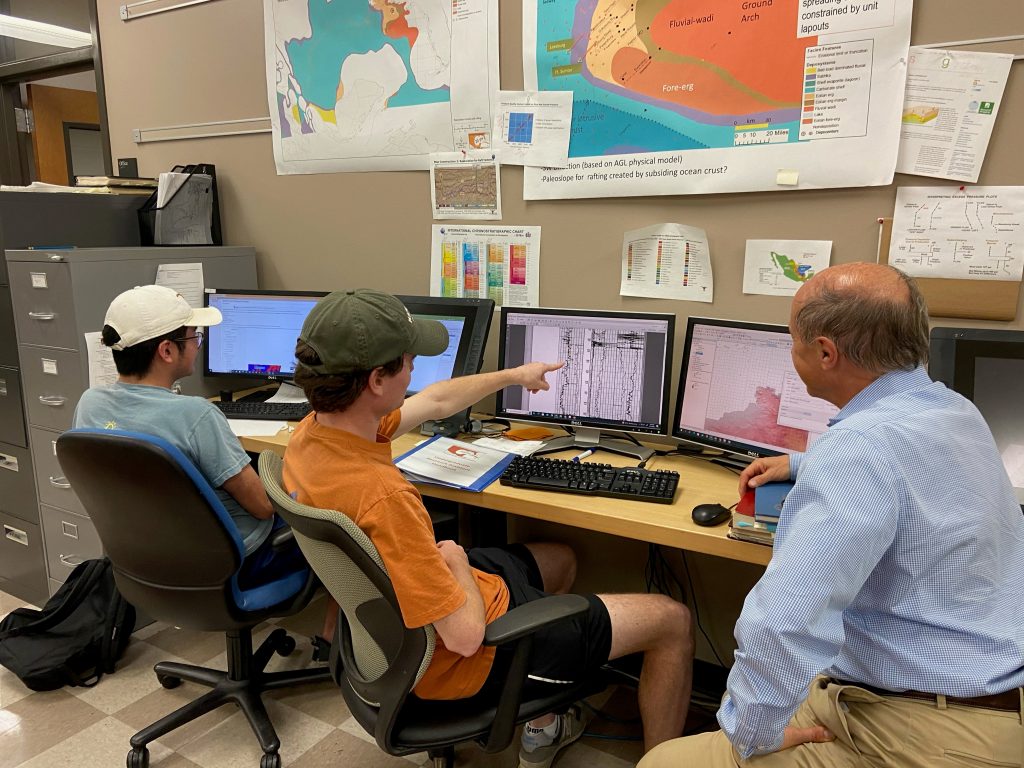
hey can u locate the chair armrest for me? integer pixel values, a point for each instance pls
(530, 617)
(517, 627)
(281, 537)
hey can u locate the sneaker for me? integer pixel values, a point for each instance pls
(570, 728)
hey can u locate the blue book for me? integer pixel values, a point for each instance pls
(768, 501)
(453, 463)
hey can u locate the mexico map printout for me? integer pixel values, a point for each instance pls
(695, 96)
(362, 85)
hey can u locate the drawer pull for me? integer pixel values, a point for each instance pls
(8, 462)
(59, 482)
(15, 535)
(42, 315)
(54, 401)
(71, 560)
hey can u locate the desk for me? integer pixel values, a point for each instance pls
(667, 524)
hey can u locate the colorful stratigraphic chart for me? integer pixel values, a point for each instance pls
(495, 273)
(471, 270)
(517, 265)
(449, 270)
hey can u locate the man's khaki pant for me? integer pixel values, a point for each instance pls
(869, 730)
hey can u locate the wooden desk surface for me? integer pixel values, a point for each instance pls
(669, 524)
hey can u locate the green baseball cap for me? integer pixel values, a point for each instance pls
(363, 329)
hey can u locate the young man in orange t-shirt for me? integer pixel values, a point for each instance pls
(355, 355)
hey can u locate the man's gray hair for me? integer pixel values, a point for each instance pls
(876, 332)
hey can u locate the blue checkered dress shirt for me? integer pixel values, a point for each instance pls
(898, 563)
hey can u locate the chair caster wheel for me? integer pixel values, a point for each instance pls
(138, 758)
(287, 646)
(270, 760)
(168, 681)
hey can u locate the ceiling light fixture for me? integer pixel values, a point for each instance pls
(39, 32)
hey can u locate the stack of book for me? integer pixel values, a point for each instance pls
(757, 515)
(115, 185)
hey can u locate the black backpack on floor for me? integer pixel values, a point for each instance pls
(76, 638)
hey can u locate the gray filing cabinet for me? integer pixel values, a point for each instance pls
(58, 296)
(29, 219)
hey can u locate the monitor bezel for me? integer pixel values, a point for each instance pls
(747, 451)
(952, 352)
(662, 429)
(250, 292)
(477, 314)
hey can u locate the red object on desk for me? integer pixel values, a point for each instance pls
(746, 504)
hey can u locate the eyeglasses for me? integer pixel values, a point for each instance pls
(199, 336)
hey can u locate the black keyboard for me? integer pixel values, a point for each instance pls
(245, 409)
(591, 479)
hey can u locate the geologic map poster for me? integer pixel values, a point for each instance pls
(694, 96)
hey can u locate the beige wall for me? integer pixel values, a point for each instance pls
(206, 63)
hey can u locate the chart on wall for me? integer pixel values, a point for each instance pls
(696, 96)
(378, 85)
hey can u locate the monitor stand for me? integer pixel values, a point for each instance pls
(589, 438)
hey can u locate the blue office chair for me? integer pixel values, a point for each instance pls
(176, 555)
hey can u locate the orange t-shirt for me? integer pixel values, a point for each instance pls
(334, 469)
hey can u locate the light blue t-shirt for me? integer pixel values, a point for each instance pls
(192, 425)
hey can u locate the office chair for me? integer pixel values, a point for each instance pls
(176, 555)
(376, 660)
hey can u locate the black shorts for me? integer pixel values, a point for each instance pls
(563, 654)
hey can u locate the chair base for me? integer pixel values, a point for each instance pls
(243, 683)
(442, 757)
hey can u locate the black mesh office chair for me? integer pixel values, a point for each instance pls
(377, 661)
(176, 555)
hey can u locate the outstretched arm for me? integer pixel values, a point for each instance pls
(444, 398)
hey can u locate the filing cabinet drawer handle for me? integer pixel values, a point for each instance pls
(71, 560)
(59, 482)
(42, 315)
(54, 401)
(13, 534)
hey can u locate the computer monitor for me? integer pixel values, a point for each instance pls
(616, 374)
(739, 392)
(468, 322)
(256, 338)
(258, 333)
(987, 367)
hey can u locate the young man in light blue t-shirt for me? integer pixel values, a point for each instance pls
(153, 334)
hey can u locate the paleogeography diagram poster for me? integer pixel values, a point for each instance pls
(694, 96)
(361, 85)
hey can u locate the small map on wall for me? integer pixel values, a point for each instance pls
(780, 267)
(378, 85)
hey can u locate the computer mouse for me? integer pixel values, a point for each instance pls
(710, 514)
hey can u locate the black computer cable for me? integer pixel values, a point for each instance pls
(696, 610)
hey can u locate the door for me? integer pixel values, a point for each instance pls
(51, 109)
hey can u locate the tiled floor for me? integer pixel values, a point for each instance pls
(92, 726)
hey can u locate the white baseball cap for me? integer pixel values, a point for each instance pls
(148, 311)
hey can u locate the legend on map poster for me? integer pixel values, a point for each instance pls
(486, 262)
(667, 261)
